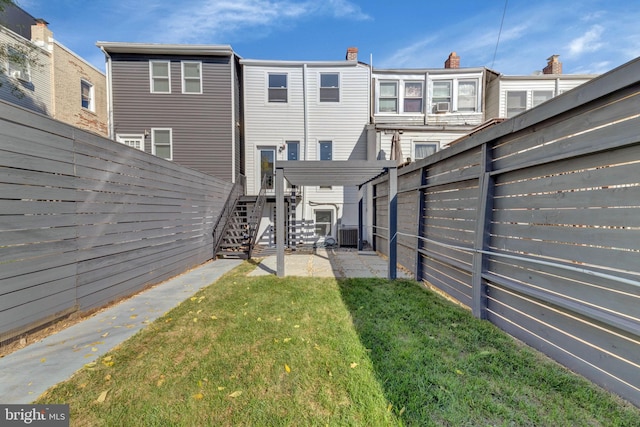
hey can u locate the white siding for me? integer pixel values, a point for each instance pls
(344, 123)
(36, 94)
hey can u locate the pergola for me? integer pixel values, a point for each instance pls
(336, 173)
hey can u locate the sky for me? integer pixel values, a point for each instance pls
(513, 37)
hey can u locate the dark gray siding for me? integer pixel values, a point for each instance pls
(202, 124)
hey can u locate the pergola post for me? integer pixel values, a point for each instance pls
(360, 219)
(280, 222)
(393, 222)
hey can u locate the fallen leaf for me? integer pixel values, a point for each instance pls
(198, 396)
(278, 319)
(235, 393)
(389, 407)
(287, 368)
(193, 298)
(102, 396)
(44, 359)
(104, 335)
(160, 381)
(402, 410)
(214, 317)
(94, 349)
(459, 372)
(107, 377)
(221, 388)
(195, 320)
(90, 364)
(286, 340)
(353, 365)
(133, 316)
(168, 320)
(107, 359)
(199, 311)
(296, 326)
(259, 319)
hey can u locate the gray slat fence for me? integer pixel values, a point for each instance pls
(85, 221)
(534, 224)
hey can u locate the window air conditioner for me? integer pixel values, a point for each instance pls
(442, 107)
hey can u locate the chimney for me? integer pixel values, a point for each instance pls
(352, 54)
(553, 65)
(453, 61)
(42, 35)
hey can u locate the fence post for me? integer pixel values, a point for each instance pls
(393, 222)
(482, 236)
(421, 203)
(280, 223)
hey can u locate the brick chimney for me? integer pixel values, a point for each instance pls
(352, 54)
(42, 35)
(453, 61)
(553, 65)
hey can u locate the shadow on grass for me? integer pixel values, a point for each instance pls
(438, 365)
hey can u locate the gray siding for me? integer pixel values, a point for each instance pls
(534, 225)
(202, 124)
(85, 220)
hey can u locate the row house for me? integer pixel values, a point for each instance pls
(179, 102)
(43, 75)
(298, 111)
(416, 112)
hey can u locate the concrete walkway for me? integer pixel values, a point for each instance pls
(30, 371)
(327, 262)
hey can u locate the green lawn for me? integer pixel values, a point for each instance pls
(264, 351)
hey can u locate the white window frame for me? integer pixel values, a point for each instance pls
(185, 78)
(320, 142)
(521, 109)
(124, 138)
(91, 106)
(441, 100)
(435, 144)
(152, 77)
(280, 88)
(379, 98)
(289, 144)
(457, 95)
(405, 97)
(16, 70)
(535, 103)
(329, 88)
(330, 223)
(153, 142)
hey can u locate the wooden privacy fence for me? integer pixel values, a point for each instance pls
(85, 221)
(535, 225)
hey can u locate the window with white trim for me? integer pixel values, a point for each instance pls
(86, 95)
(135, 141)
(467, 95)
(329, 87)
(325, 150)
(540, 96)
(388, 99)
(516, 102)
(413, 97)
(422, 149)
(191, 77)
(293, 150)
(277, 87)
(323, 222)
(162, 143)
(160, 76)
(18, 65)
(441, 99)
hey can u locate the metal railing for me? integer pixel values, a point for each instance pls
(223, 220)
(256, 212)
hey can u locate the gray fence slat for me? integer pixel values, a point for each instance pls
(34, 251)
(582, 216)
(606, 197)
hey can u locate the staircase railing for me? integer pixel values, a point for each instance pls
(256, 213)
(229, 206)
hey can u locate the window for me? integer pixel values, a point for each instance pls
(161, 143)
(191, 77)
(160, 76)
(86, 95)
(516, 102)
(18, 65)
(441, 96)
(540, 96)
(329, 87)
(135, 141)
(293, 150)
(326, 148)
(388, 101)
(424, 149)
(277, 88)
(323, 221)
(467, 95)
(413, 97)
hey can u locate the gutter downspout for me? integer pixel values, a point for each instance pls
(306, 138)
(232, 86)
(109, 95)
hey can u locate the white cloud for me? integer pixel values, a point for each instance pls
(588, 42)
(213, 19)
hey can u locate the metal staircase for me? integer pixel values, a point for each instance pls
(241, 228)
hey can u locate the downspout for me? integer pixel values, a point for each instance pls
(232, 86)
(109, 95)
(306, 138)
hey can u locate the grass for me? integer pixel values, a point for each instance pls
(263, 351)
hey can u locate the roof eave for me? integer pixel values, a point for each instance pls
(165, 49)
